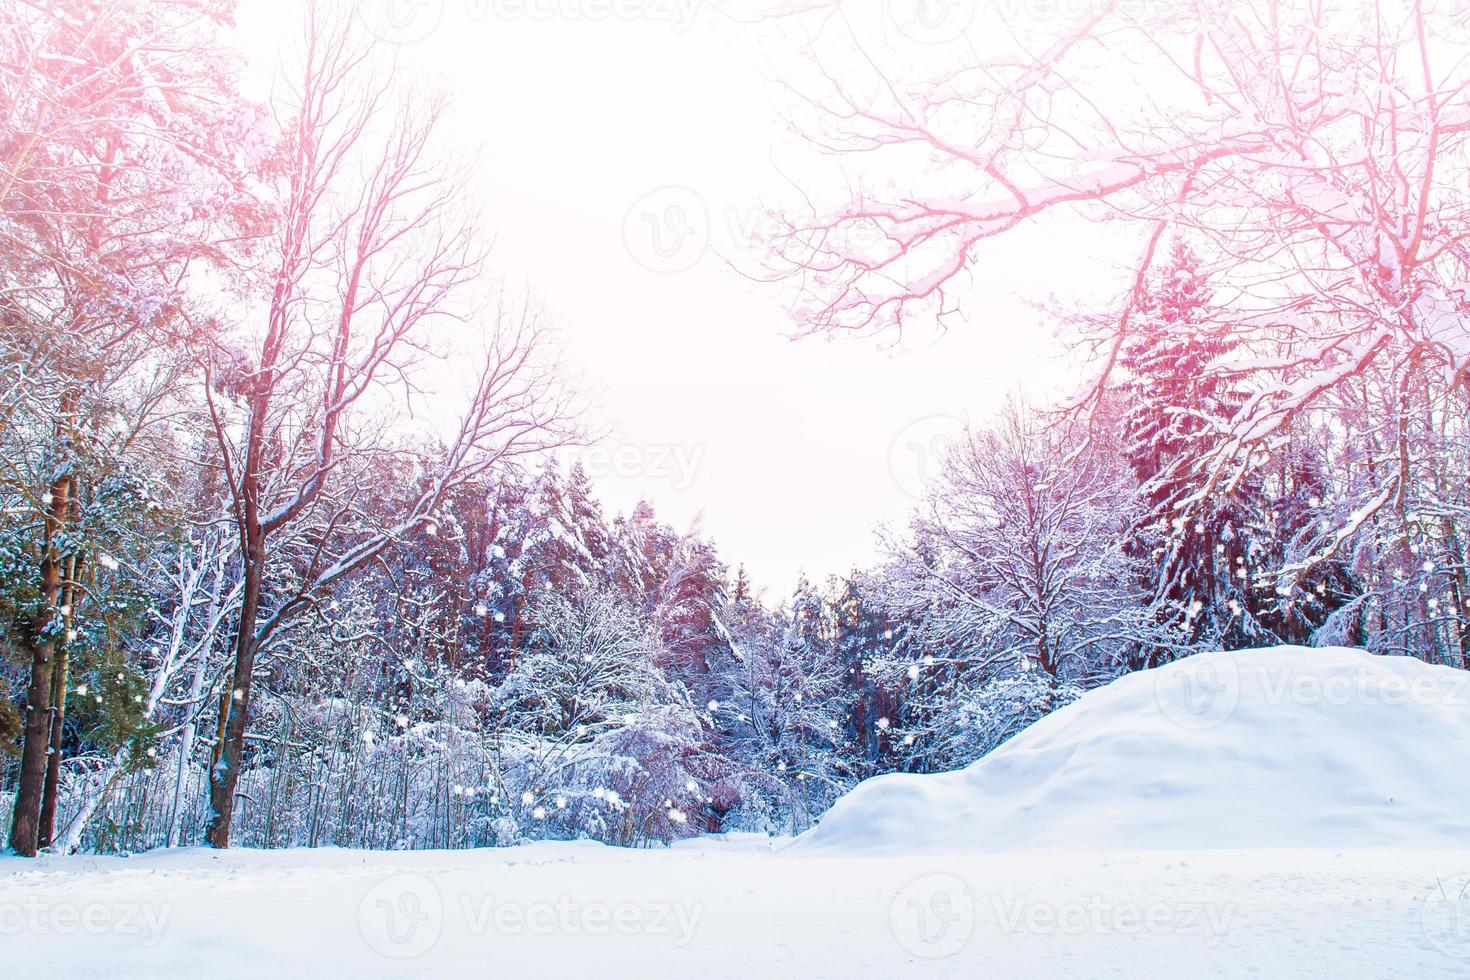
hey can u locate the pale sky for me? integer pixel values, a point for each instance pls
(595, 134)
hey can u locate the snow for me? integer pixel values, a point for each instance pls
(1287, 747)
(739, 907)
(1278, 813)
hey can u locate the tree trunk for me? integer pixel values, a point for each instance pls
(71, 839)
(186, 746)
(60, 681)
(53, 758)
(235, 702)
(25, 827)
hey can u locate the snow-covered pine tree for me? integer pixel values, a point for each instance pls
(1175, 408)
(869, 640)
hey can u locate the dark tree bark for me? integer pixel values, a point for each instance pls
(25, 825)
(61, 680)
(224, 774)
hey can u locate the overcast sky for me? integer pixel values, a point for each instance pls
(622, 160)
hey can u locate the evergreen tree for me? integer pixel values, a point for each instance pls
(1176, 407)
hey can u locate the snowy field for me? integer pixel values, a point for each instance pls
(737, 908)
(1256, 814)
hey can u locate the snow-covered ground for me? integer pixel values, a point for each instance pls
(1287, 813)
(735, 908)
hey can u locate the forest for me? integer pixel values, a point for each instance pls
(295, 549)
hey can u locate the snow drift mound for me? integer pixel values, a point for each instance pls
(1282, 747)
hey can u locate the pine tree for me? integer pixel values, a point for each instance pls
(1177, 404)
(867, 638)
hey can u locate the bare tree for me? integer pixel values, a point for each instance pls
(1315, 152)
(374, 251)
(1017, 559)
